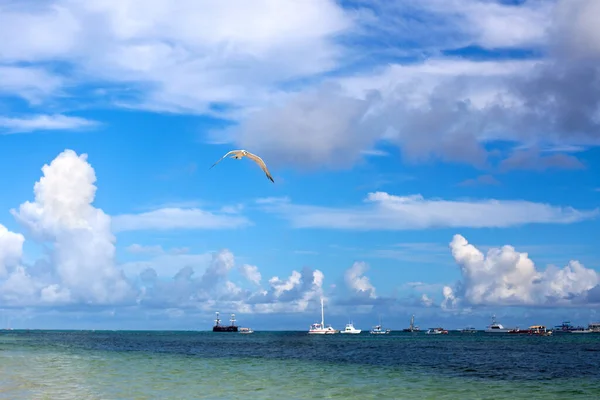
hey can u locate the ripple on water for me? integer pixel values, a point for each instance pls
(77, 365)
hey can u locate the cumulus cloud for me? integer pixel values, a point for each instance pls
(82, 243)
(357, 282)
(251, 273)
(389, 212)
(426, 300)
(505, 276)
(11, 249)
(79, 268)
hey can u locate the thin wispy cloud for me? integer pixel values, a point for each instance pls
(177, 218)
(383, 211)
(44, 123)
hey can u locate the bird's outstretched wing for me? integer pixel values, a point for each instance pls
(225, 156)
(260, 163)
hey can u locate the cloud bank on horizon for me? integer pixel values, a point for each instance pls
(471, 119)
(81, 269)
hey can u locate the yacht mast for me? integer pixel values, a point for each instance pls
(322, 315)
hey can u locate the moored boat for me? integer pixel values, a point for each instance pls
(594, 327)
(222, 328)
(519, 331)
(566, 327)
(436, 331)
(539, 330)
(412, 327)
(350, 329)
(320, 328)
(377, 330)
(496, 327)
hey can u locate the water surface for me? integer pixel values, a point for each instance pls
(294, 365)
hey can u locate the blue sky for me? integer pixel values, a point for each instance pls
(438, 158)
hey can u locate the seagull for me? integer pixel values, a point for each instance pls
(238, 154)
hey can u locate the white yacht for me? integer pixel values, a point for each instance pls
(246, 330)
(377, 329)
(351, 329)
(320, 328)
(436, 331)
(496, 327)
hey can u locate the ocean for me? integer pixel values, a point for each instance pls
(294, 365)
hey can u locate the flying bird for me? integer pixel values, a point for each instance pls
(238, 154)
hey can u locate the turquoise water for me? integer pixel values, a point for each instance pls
(294, 365)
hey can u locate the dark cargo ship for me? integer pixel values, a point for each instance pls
(221, 328)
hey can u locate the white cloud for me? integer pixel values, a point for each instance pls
(30, 83)
(506, 277)
(388, 212)
(357, 282)
(427, 25)
(426, 300)
(251, 273)
(83, 245)
(450, 300)
(445, 107)
(182, 56)
(266, 65)
(11, 249)
(177, 218)
(140, 249)
(44, 123)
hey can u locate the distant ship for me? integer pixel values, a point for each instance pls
(378, 330)
(496, 327)
(566, 327)
(320, 328)
(221, 328)
(412, 327)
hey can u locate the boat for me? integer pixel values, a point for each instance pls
(519, 331)
(320, 328)
(378, 330)
(594, 327)
(468, 329)
(496, 327)
(566, 327)
(246, 330)
(222, 328)
(351, 329)
(539, 330)
(412, 327)
(436, 331)
(582, 330)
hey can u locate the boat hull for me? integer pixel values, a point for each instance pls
(231, 328)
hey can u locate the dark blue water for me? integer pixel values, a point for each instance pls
(563, 365)
(487, 356)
